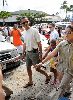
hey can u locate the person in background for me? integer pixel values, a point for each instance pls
(65, 49)
(53, 62)
(32, 46)
(59, 30)
(16, 34)
(53, 33)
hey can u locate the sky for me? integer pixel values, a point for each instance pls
(48, 6)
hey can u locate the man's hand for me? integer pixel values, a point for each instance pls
(23, 57)
(38, 65)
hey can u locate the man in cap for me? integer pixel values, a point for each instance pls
(33, 48)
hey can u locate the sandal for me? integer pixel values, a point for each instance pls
(47, 80)
(28, 84)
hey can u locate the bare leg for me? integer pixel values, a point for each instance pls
(29, 71)
(44, 73)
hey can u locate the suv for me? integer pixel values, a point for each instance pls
(9, 57)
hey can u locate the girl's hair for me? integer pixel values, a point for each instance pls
(53, 41)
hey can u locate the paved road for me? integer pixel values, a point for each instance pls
(17, 78)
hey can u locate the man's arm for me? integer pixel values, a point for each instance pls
(50, 55)
(40, 50)
(46, 53)
(2, 97)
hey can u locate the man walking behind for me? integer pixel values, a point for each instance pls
(33, 48)
(65, 49)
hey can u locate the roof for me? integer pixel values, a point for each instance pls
(10, 19)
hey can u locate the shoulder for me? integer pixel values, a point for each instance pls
(34, 29)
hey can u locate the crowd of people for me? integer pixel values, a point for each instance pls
(59, 53)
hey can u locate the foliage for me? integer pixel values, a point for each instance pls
(4, 15)
(66, 7)
(32, 16)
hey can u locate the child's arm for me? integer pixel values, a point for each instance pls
(48, 50)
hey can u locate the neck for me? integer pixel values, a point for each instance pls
(26, 28)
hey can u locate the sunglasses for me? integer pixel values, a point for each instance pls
(50, 27)
(56, 28)
(25, 22)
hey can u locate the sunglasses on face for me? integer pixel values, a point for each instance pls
(50, 27)
(25, 22)
(56, 28)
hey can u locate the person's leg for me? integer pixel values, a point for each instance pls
(35, 59)
(29, 71)
(64, 85)
(43, 72)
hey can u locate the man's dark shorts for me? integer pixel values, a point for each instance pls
(32, 58)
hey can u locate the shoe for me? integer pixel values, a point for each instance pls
(47, 80)
(28, 85)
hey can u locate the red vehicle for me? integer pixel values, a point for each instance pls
(46, 32)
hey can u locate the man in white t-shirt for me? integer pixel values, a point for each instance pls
(33, 48)
(54, 34)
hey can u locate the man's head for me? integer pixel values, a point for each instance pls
(69, 33)
(25, 22)
(15, 26)
(51, 26)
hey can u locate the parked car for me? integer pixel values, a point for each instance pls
(9, 57)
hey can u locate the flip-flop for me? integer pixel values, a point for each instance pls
(28, 84)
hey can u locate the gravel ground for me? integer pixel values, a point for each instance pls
(17, 79)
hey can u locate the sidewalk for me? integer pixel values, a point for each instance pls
(18, 78)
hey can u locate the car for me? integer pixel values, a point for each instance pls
(9, 56)
(62, 24)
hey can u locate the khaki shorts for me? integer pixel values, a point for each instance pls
(32, 58)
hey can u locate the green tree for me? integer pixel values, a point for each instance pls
(65, 7)
(33, 17)
(4, 15)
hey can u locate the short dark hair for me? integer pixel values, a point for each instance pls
(52, 24)
(70, 27)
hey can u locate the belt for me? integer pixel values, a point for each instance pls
(34, 50)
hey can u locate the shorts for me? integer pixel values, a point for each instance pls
(20, 49)
(32, 58)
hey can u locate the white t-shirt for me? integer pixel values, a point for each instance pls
(54, 35)
(31, 37)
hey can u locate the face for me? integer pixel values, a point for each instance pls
(69, 35)
(25, 22)
(51, 27)
(56, 28)
(53, 45)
